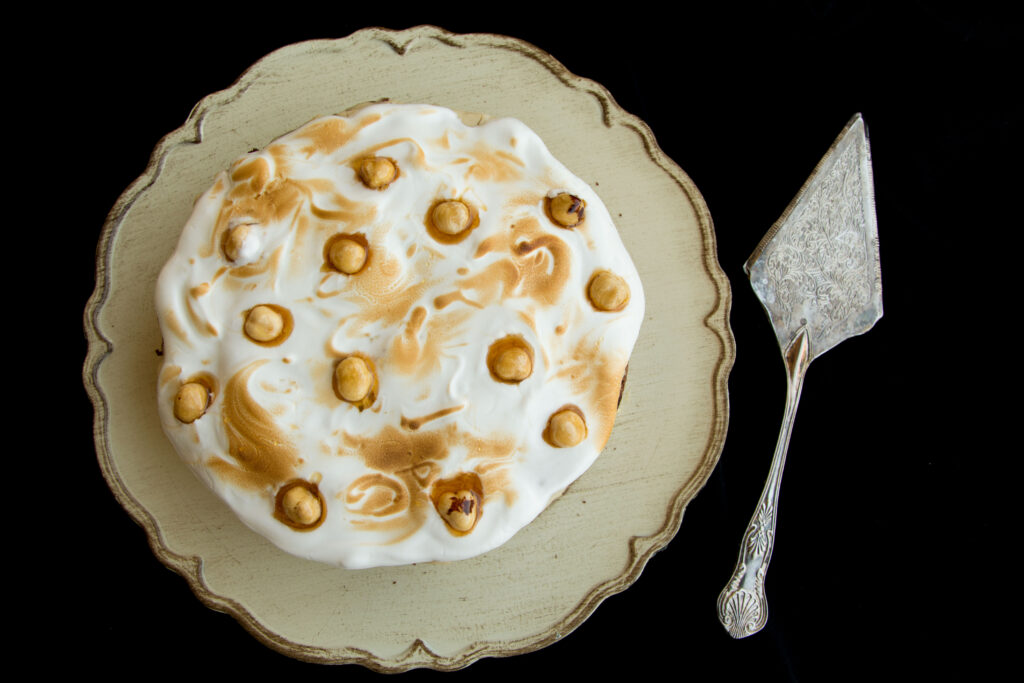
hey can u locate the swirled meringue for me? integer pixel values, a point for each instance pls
(466, 312)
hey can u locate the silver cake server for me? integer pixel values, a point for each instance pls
(818, 275)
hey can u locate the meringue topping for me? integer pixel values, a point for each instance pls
(420, 337)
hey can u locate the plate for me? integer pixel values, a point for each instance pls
(590, 543)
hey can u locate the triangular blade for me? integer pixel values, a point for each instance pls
(818, 266)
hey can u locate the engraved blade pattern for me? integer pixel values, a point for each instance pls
(818, 266)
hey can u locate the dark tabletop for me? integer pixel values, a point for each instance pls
(885, 558)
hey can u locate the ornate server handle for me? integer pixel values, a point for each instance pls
(742, 606)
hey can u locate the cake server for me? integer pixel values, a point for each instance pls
(818, 275)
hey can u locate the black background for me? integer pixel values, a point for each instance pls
(886, 560)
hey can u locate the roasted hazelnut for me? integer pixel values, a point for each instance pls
(608, 291)
(377, 172)
(566, 209)
(460, 509)
(301, 506)
(347, 255)
(513, 365)
(566, 428)
(235, 241)
(191, 402)
(451, 217)
(510, 359)
(263, 324)
(353, 379)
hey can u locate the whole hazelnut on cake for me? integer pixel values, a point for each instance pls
(566, 209)
(241, 242)
(353, 379)
(191, 402)
(566, 429)
(459, 509)
(347, 255)
(514, 365)
(608, 292)
(377, 172)
(263, 324)
(510, 359)
(451, 217)
(301, 506)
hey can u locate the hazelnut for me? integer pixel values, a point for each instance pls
(347, 255)
(263, 324)
(513, 365)
(608, 291)
(510, 359)
(566, 209)
(191, 402)
(459, 509)
(566, 428)
(451, 217)
(353, 378)
(234, 242)
(301, 506)
(377, 172)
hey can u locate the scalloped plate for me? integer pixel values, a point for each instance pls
(587, 545)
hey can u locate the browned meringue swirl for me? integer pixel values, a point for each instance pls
(537, 267)
(377, 495)
(263, 455)
(405, 464)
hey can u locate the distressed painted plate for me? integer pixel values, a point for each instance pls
(593, 541)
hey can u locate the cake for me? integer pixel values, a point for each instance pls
(391, 337)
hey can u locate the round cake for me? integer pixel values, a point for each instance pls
(392, 337)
